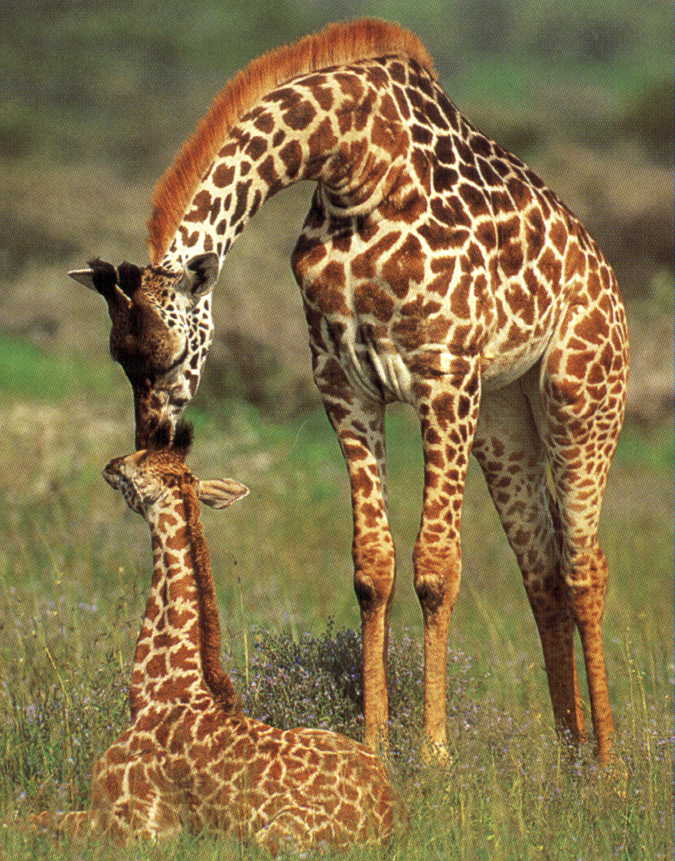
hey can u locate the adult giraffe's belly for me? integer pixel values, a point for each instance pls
(503, 363)
(383, 365)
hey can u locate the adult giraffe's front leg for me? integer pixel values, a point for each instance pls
(359, 424)
(448, 410)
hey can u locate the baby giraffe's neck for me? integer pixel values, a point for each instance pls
(177, 655)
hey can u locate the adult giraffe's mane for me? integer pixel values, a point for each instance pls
(336, 44)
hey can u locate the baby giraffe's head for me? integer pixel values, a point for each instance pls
(148, 478)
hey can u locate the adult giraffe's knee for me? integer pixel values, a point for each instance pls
(374, 574)
(437, 576)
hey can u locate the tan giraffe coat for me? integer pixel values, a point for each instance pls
(191, 759)
(436, 269)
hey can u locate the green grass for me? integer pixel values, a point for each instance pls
(74, 568)
(29, 373)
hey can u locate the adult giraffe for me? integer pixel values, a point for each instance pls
(435, 269)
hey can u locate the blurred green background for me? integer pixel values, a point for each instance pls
(100, 96)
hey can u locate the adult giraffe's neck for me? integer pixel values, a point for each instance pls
(342, 127)
(177, 656)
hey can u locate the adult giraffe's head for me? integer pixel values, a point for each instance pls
(161, 332)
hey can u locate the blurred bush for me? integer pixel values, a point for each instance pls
(126, 80)
(647, 119)
(624, 198)
(315, 680)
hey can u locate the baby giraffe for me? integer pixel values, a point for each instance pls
(191, 759)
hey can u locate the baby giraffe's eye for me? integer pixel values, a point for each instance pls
(179, 397)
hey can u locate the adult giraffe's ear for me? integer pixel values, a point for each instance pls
(220, 492)
(83, 276)
(200, 275)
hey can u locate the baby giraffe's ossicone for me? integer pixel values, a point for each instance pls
(191, 758)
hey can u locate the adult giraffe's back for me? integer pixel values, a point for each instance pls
(435, 269)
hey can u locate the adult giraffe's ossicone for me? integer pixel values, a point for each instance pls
(435, 269)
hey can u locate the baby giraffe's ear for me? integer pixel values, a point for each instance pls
(220, 492)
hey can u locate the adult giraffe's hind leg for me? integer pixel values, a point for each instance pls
(582, 400)
(513, 460)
